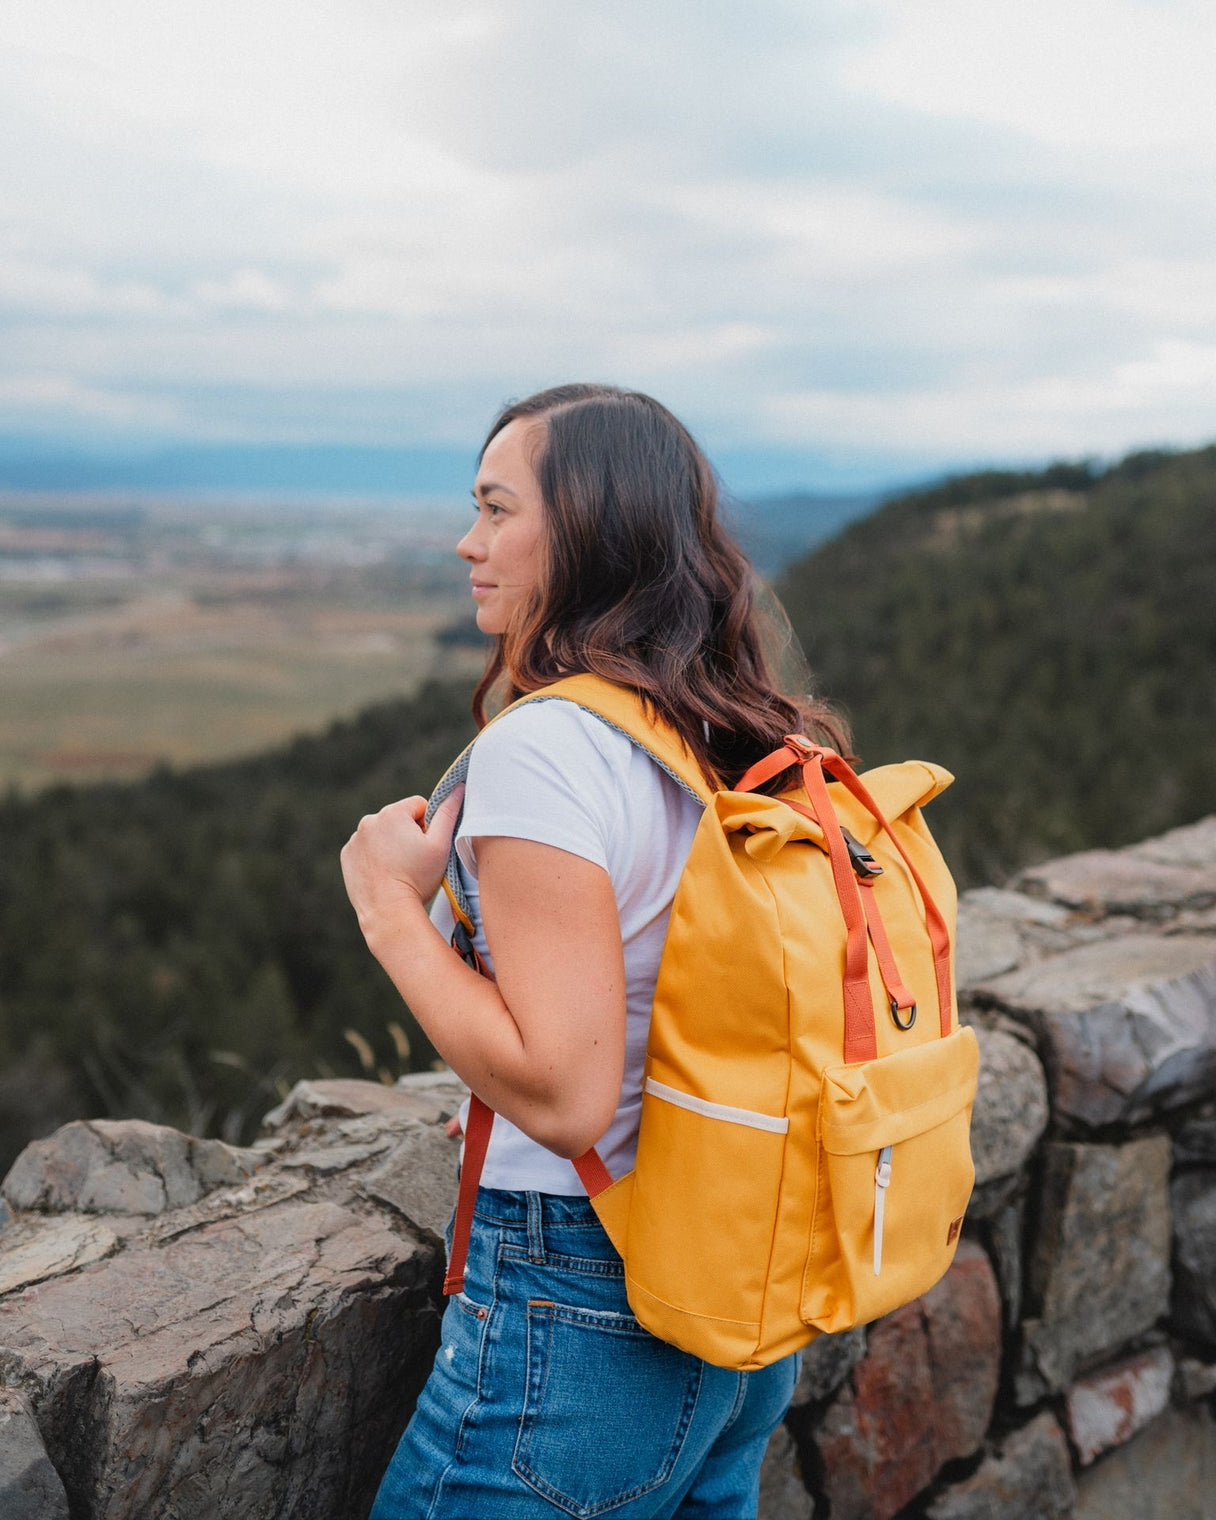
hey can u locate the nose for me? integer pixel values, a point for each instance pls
(470, 546)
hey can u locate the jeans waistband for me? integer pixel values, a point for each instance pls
(499, 1206)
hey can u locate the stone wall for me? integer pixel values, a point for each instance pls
(193, 1332)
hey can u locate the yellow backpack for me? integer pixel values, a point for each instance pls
(803, 1158)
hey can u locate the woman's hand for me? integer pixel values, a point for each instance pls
(392, 862)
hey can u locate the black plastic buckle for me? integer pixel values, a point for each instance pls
(862, 861)
(462, 943)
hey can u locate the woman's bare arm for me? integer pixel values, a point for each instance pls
(545, 1044)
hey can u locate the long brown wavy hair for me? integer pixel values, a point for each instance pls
(642, 584)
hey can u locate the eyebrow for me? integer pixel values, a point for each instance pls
(486, 487)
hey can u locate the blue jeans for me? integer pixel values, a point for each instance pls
(548, 1398)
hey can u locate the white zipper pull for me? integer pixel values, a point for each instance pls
(882, 1180)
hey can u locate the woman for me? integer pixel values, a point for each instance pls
(596, 547)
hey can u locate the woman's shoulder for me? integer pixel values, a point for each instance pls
(550, 772)
(555, 728)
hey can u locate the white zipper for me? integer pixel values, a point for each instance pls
(882, 1180)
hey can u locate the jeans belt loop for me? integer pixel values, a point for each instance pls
(536, 1230)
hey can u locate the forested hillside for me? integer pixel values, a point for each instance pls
(181, 949)
(1049, 637)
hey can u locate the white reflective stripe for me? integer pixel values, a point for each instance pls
(882, 1180)
(710, 1110)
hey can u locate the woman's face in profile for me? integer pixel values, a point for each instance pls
(503, 547)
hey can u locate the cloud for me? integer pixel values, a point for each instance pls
(31, 398)
(1107, 75)
(29, 287)
(1167, 395)
(869, 227)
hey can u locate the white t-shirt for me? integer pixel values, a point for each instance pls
(554, 773)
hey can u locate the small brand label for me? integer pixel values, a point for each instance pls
(952, 1233)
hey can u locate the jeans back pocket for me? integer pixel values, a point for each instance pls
(607, 1408)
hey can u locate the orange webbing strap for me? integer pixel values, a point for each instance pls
(592, 1172)
(897, 993)
(901, 999)
(772, 765)
(939, 934)
(860, 1039)
(476, 1138)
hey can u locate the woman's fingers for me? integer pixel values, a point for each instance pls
(392, 849)
(447, 815)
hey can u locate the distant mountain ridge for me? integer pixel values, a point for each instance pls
(1050, 636)
(776, 530)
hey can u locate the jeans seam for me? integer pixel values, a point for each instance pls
(740, 1400)
(587, 1266)
(467, 1412)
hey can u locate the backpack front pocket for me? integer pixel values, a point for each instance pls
(895, 1175)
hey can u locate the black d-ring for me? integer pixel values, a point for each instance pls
(899, 1023)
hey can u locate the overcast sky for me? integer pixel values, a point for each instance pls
(859, 239)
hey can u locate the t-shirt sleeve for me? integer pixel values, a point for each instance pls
(548, 772)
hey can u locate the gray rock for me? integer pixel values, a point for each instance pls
(1126, 1027)
(783, 1495)
(1099, 1273)
(826, 1362)
(1193, 1198)
(1192, 845)
(1016, 908)
(1198, 921)
(1029, 1479)
(429, 1100)
(418, 1178)
(55, 1247)
(258, 1368)
(1167, 1473)
(998, 930)
(986, 944)
(1110, 1407)
(326, 1159)
(1010, 1110)
(1194, 1379)
(1123, 881)
(1004, 1231)
(30, 1488)
(1195, 1140)
(962, 1319)
(123, 1167)
(921, 1396)
(988, 1199)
